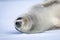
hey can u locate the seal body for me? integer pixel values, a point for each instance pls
(40, 18)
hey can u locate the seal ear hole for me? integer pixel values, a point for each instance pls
(25, 21)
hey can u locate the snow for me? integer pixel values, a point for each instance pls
(9, 11)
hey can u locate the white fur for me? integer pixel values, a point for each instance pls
(43, 17)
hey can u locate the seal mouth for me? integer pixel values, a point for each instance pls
(19, 30)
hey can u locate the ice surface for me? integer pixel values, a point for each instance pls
(9, 11)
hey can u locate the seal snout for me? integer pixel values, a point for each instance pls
(18, 24)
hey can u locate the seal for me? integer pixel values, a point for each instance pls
(40, 18)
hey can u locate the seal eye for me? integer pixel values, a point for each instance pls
(19, 18)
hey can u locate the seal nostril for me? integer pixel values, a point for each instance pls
(18, 24)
